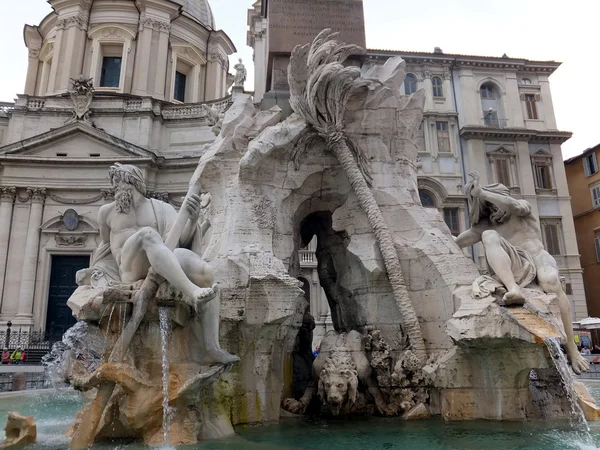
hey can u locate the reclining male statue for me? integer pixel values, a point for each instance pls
(132, 229)
(511, 237)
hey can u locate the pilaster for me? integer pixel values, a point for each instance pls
(547, 104)
(215, 71)
(471, 101)
(164, 30)
(32, 71)
(24, 316)
(526, 181)
(7, 200)
(142, 60)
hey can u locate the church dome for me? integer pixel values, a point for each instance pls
(199, 10)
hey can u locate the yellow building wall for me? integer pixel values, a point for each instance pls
(587, 227)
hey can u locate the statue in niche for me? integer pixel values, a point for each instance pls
(240, 74)
(132, 229)
(511, 236)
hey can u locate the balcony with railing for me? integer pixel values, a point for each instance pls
(5, 108)
(492, 121)
(308, 258)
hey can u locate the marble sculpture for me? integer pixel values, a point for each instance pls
(413, 331)
(511, 236)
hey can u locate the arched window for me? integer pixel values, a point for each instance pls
(526, 81)
(436, 83)
(410, 84)
(487, 91)
(426, 199)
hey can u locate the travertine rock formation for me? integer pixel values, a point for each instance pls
(20, 431)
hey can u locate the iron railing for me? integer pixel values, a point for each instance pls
(35, 344)
(491, 121)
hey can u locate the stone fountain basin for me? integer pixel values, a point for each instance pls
(54, 412)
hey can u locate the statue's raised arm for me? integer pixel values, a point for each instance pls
(515, 253)
(495, 194)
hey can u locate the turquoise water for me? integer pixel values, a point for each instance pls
(54, 412)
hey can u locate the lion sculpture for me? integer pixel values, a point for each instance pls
(339, 369)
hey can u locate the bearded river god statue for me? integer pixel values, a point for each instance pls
(134, 271)
(511, 236)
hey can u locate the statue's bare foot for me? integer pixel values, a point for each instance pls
(578, 362)
(514, 297)
(204, 295)
(219, 356)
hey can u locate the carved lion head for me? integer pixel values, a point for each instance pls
(338, 384)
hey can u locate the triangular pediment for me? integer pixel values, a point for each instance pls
(75, 141)
(501, 150)
(542, 152)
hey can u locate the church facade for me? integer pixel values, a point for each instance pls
(160, 73)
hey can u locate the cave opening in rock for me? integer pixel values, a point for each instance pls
(340, 272)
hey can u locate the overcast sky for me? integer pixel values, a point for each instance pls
(557, 30)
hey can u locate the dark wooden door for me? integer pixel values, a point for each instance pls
(62, 284)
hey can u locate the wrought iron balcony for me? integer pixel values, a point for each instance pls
(491, 121)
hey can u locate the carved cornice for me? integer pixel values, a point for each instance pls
(8, 194)
(477, 132)
(106, 194)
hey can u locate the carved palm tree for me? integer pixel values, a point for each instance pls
(320, 87)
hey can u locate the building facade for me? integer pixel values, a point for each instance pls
(493, 115)
(160, 74)
(583, 178)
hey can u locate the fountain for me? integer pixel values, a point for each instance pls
(419, 332)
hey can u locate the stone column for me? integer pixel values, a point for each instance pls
(7, 199)
(28, 275)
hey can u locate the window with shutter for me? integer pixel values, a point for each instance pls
(443, 137)
(542, 176)
(503, 171)
(531, 106)
(596, 196)
(451, 219)
(552, 235)
(552, 242)
(597, 244)
(590, 164)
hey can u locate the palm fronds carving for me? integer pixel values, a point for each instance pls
(320, 87)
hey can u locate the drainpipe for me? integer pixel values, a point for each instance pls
(460, 144)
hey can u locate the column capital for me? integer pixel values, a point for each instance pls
(8, 194)
(155, 24)
(37, 195)
(78, 20)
